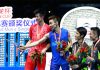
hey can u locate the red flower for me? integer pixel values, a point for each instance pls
(84, 51)
(72, 59)
(63, 47)
(64, 44)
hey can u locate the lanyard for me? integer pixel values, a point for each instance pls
(96, 43)
(58, 37)
(76, 51)
(39, 33)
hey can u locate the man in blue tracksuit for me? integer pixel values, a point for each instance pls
(58, 60)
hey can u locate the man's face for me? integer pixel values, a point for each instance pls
(77, 36)
(52, 24)
(92, 35)
(38, 17)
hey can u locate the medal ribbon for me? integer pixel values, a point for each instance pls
(93, 48)
(58, 37)
(38, 33)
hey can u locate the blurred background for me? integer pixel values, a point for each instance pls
(24, 9)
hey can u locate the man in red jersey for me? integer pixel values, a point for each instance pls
(36, 32)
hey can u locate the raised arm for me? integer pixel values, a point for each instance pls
(46, 36)
(43, 39)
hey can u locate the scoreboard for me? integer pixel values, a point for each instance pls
(13, 32)
(8, 53)
(3, 49)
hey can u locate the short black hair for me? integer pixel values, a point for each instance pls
(97, 30)
(55, 18)
(40, 11)
(82, 31)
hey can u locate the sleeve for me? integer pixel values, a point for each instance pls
(97, 60)
(98, 46)
(95, 55)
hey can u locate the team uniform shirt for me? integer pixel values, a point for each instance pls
(82, 62)
(36, 32)
(95, 53)
(56, 58)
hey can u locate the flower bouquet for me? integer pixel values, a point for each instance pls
(37, 55)
(34, 55)
(84, 52)
(40, 56)
(61, 47)
(72, 59)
